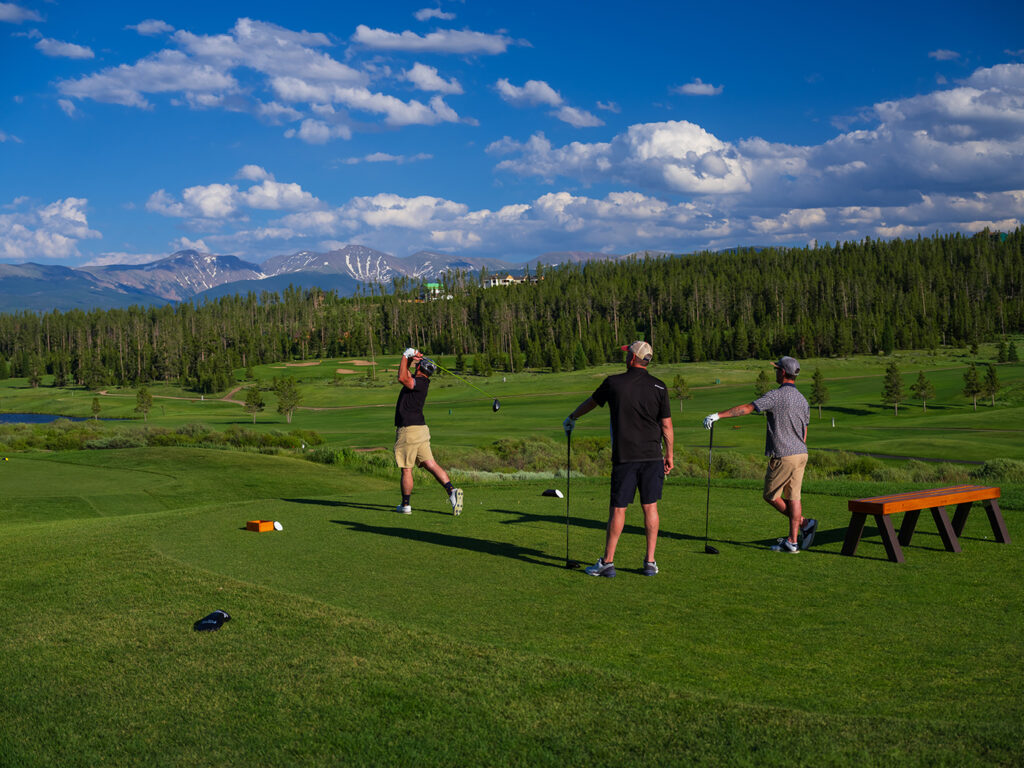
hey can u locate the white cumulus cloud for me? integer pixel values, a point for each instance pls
(60, 49)
(48, 232)
(151, 27)
(532, 92)
(424, 14)
(443, 41)
(699, 88)
(16, 14)
(426, 78)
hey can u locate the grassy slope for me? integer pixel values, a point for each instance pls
(362, 636)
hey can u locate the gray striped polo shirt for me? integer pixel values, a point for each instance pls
(788, 416)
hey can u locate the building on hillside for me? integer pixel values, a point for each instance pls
(433, 292)
(492, 282)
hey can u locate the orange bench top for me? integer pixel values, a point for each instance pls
(935, 497)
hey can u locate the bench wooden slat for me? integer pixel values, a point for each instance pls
(913, 503)
(937, 497)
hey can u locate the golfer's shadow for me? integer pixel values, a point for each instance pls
(497, 548)
(599, 525)
(363, 505)
(821, 539)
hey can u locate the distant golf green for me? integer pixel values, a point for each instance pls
(363, 637)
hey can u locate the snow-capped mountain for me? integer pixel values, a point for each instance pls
(187, 274)
(181, 275)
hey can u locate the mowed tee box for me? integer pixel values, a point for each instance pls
(259, 525)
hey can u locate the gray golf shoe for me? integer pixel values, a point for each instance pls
(601, 568)
(455, 497)
(807, 531)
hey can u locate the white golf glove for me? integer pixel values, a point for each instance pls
(710, 420)
(410, 353)
(569, 424)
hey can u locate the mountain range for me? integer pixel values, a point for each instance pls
(188, 274)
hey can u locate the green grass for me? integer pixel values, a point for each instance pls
(363, 637)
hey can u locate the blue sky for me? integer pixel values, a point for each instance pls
(131, 130)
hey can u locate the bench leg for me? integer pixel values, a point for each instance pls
(853, 533)
(909, 524)
(892, 546)
(949, 538)
(960, 518)
(995, 517)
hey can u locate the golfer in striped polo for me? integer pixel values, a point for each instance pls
(786, 448)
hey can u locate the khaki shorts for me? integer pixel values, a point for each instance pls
(784, 477)
(412, 446)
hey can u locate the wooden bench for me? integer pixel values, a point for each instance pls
(913, 502)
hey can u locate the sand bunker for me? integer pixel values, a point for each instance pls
(344, 370)
(358, 362)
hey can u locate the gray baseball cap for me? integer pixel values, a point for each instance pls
(788, 364)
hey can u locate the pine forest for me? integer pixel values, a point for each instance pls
(864, 297)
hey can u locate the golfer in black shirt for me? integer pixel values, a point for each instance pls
(641, 420)
(412, 436)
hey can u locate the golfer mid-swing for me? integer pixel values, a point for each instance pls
(641, 420)
(786, 448)
(412, 436)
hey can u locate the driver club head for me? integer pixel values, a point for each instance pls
(709, 550)
(495, 405)
(572, 564)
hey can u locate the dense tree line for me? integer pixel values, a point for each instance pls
(865, 297)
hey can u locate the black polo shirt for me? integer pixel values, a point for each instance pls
(409, 408)
(638, 402)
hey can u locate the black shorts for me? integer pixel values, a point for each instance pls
(648, 476)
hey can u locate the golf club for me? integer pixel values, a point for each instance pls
(494, 406)
(570, 564)
(708, 549)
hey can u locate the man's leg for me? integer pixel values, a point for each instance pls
(435, 469)
(406, 481)
(651, 522)
(791, 509)
(616, 520)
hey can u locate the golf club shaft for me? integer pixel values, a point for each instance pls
(707, 508)
(568, 474)
(460, 378)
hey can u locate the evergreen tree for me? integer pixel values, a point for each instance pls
(888, 337)
(5, 370)
(762, 384)
(892, 389)
(819, 392)
(972, 387)
(143, 402)
(990, 386)
(923, 390)
(35, 371)
(254, 401)
(681, 389)
(95, 408)
(1001, 352)
(288, 397)
(579, 360)
(1011, 353)
(554, 358)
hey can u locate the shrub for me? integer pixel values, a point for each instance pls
(1000, 470)
(323, 455)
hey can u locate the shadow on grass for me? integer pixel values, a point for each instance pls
(849, 411)
(598, 525)
(349, 504)
(497, 548)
